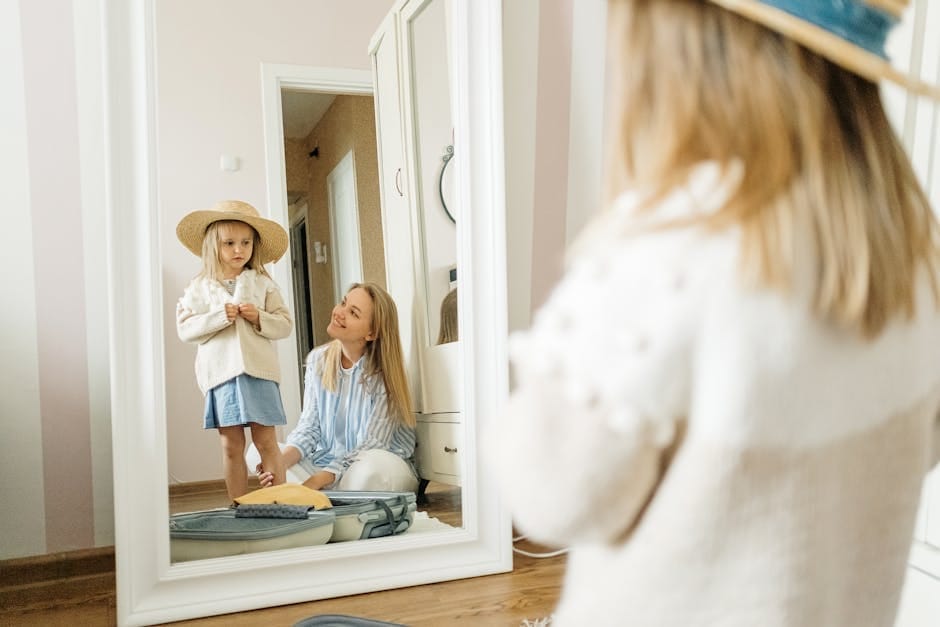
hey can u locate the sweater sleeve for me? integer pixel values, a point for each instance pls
(198, 328)
(275, 318)
(602, 391)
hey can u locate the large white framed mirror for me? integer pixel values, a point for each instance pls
(149, 588)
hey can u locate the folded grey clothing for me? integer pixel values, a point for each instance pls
(271, 510)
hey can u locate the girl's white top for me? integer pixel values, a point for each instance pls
(714, 454)
(226, 349)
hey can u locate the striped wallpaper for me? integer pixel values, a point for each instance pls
(56, 450)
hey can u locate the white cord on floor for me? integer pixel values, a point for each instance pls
(540, 555)
(536, 555)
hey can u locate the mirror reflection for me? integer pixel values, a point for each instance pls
(449, 331)
(212, 145)
(434, 140)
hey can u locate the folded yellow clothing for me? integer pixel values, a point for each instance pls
(286, 494)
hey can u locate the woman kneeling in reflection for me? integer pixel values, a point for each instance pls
(356, 430)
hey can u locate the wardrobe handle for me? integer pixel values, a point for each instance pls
(398, 182)
(448, 449)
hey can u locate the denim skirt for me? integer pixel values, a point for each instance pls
(243, 400)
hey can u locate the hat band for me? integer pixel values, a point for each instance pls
(853, 20)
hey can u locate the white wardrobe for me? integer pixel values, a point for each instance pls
(412, 70)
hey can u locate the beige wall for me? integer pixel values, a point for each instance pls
(348, 125)
(295, 162)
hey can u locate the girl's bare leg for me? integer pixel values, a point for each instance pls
(265, 439)
(233, 460)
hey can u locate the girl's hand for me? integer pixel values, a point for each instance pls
(265, 478)
(249, 312)
(231, 311)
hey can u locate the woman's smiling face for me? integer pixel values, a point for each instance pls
(351, 320)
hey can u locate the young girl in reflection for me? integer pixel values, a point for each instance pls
(233, 311)
(727, 406)
(357, 429)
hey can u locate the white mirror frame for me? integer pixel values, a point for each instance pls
(151, 590)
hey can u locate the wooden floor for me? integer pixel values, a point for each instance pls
(529, 592)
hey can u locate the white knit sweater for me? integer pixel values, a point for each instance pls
(226, 349)
(715, 455)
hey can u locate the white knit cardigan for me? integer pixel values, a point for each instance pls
(226, 349)
(714, 455)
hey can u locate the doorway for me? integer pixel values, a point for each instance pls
(303, 315)
(344, 220)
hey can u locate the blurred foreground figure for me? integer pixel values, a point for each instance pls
(728, 405)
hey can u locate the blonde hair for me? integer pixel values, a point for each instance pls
(384, 359)
(450, 330)
(212, 263)
(818, 150)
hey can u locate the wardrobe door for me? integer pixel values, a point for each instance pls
(396, 213)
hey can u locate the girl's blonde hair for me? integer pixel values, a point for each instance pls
(212, 264)
(384, 359)
(699, 83)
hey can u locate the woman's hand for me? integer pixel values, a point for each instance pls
(320, 480)
(231, 311)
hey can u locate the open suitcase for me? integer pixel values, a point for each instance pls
(362, 515)
(219, 533)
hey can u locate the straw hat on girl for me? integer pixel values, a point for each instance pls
(192, 228)
(850, 33)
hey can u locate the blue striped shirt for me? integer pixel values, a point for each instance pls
(335, 426)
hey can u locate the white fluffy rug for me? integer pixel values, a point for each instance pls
(423, 523)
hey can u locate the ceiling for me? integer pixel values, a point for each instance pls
(302, 110)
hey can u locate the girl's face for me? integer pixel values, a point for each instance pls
(236, 242)
(352, 319)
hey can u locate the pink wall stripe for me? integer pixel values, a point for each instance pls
(551, 145)
(55, 188)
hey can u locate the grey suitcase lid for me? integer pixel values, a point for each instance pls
(347, 502)
(221, 524)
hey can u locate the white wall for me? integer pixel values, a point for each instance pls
(209, 83)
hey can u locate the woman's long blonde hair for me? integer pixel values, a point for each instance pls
(699, 83)
(384, 359)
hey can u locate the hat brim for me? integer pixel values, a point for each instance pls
(191, 231)
(828, 45)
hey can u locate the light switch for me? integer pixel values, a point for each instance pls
(229, 163)
(319, 252)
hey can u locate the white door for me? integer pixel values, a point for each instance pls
(344, 221)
